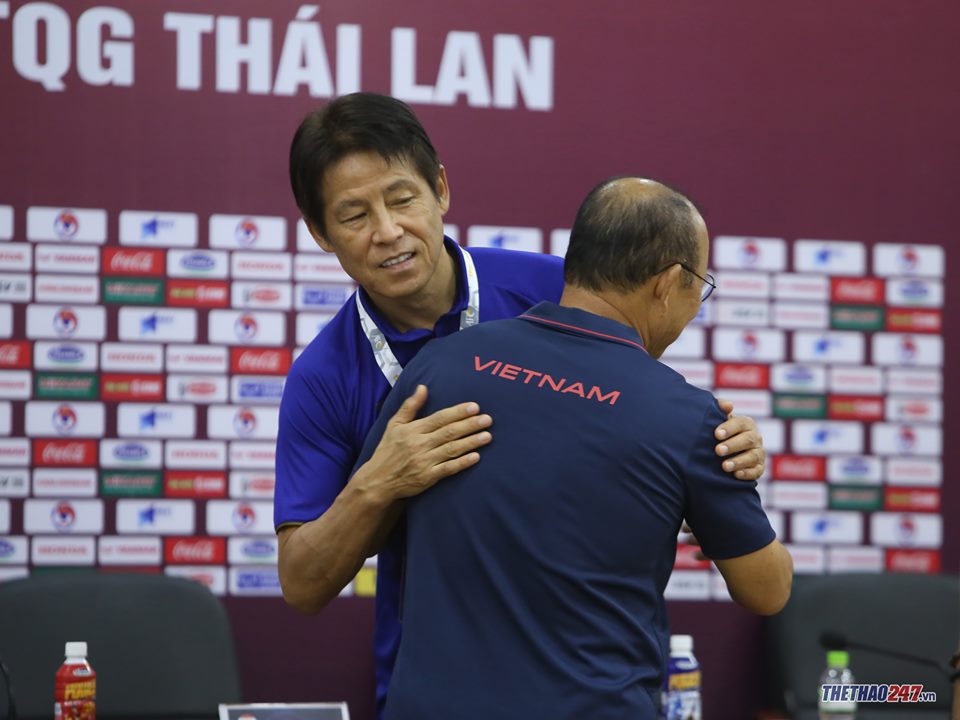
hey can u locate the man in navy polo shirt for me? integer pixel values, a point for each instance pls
(372, 191)
(534, 580)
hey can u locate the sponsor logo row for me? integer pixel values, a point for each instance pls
(801, 495)
(88, 482)
(816, 290)
(841, 437)
(807, 316)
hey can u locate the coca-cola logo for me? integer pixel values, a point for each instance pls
(135, 262)
(10, 355)
(198, 551)
(68, 454)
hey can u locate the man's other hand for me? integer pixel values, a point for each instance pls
(740, 445)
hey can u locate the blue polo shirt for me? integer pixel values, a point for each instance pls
(534, 580)
(334, 392)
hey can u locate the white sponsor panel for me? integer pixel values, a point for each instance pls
(795, 286)
(323, 267)
(904, 349)
(777, 522)
(6, 222)
(746, 313)
(256, 389)
(115, 550)
(79, 356)
(66, 224)
(246, 455)
(749, 253)
(807, 560)
(917, 382)
(796, 378)
(261, 266)
(60, 550)
(756, 403)
(6, 320)
(14, 550)
(849, 380)
(213, 577)
(158, 229)
(234, 517)
(247, 327)
(914, 408)
(67, 289)
(62, 516)
(705, 314)
(198, 264)
(774, 436)
(6, 416)
(14, 452)
(896, 259)
(232, 421)
(918, 530)
(16, 287)
(559, 241)
(16, 256)
(914, 292)
(198, 389)
(327, 297)
(248, 232)
(255, 580)
(827, 528)
(688, 585)
(690, 344)
(131, 358)
(15, 384)
(131, 454)
(65, 483)
(13, 573)
(731, 284)
(263, 296)
(855, 469)
(855, 559)
(840, 347)
(252, 550)
(67, 259)
(918, 472)
(4, 517)
(64, 419)
(795, 316)
(14, 482)
(748, 345)
(252, 485)
(788, 495)
(826, 437)
(508, 238)
(195, 454)
(695, 372)
(305, 241)
(62, 322)
(310, 324)
(158, 324)
(197, 359)
(831, 257)
(155, 517)
(156, 420)
(452, 232)
(906, 439)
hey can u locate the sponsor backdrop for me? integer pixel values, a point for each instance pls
(156, 284)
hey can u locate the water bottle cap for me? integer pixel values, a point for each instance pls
(76, 649)
(681, 643)
(838, 659)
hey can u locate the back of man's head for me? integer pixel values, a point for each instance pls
(356, 123)
(626, 231)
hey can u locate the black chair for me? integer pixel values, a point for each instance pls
(161, 646)
(914, 614)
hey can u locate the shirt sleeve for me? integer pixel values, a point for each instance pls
(724, 513)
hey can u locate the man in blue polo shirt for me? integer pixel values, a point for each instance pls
(372, 191)
(534, 580)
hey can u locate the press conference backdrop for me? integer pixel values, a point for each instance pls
(156, 283)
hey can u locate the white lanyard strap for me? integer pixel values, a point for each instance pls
(389, 365)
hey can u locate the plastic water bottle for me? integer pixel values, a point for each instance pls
(75, 696)
(837, 673)
(681, 694)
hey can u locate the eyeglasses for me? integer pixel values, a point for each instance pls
(709, 283)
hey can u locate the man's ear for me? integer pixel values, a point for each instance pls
(443, 191)
(318, 238)
(664, 284)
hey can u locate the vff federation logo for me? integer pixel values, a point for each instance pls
(822, 436)
(151, 228)
(906, 528)
(821, 526)
(148, 516)
(150, 323)
(749, 344)
(823, 256)
(149, 419)
(499, 240)
(245, 327)
(63, 516)
(906, 439)
(749, 253)
(909, 259)
(65, 322)
(908, 349)
(822, 346)
(245, 422)
(65, 225)
(247, 232)
(244, 517)
(64, 419)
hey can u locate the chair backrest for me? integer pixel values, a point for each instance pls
(161, 646)
(915, 614)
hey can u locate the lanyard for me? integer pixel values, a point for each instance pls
(389, 365)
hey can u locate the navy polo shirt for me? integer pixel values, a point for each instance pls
(335, 389)
(534, 580)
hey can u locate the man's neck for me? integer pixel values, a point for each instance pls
(425, 308)
(609, 305)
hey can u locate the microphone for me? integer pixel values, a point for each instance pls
(831, 640)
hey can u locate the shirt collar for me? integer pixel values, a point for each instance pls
(581, 322)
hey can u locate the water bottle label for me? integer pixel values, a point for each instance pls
(681, 705)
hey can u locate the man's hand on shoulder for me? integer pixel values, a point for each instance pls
(740, 445)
